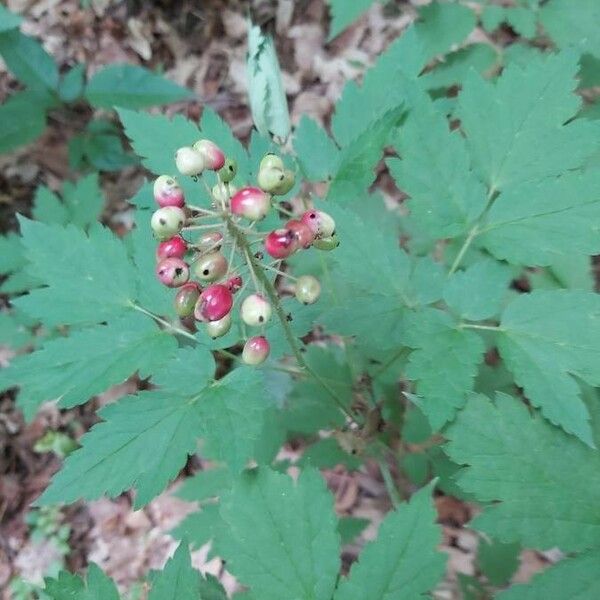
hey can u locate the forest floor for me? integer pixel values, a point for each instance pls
(200, 45)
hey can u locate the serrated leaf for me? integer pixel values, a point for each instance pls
(525, 109)
(11, 253)
(72, 83)
(350, 528)
(522, 20)
(281, 538)
(435, 171)
(546, 339)
(504, 445)
(131, 86)
(179, 580)
(22, 120)
(478, 292)
(443, 364)
(403, 561)
(99, 585)
(92, 282)
(155, 138)
(48, 208)
(65, 586)
(381, 90)
(205, 484)
(538, 223)
(574, 578)
(200, 526)
(268, 101)
(8, 19)
(27, 60)
(343, 13)
(84, 200)
(14, 332)
(73, 369)
(327, 454)
(442, 25)
(317, 153)
(573, 24)
(357, 160)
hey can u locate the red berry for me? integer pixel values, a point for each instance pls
(234, 284)
(250, 202)
(167, 192)
(213, 156)
(321, 224)
(214, 303)
(281, 243)
(210, 242)
(256, 350)
(304, 234)
(172, 272)
(176, 247)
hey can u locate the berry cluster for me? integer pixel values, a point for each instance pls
(207, 281)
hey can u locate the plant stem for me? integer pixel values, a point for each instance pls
(258, 272)
(388, 480)
(483, 327)
(396, 356)
(206, 226)
(162, 321)
(282, 273)
(461, 253)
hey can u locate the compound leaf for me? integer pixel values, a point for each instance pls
(281, 537)
(504, 445)
(403, 561)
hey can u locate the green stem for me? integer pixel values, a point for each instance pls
(483, 327)
(388, 480)
(162, 321)
(463, 250)
(386, 365)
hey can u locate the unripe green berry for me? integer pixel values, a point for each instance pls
(307, 289)
(228, 171)
(217, 329)
(189, 161)
(328, 243)
(271, 161)
(211, 267)
(222, 192)
(167, 222)
(255, 310)
(270, 179)
(286, 184)
(186, 299)
(212, 156)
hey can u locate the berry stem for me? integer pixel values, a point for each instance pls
(250, 263)
(204, 211)
(482, 327)
(282, 273)
(283, 211)
(258, 272)
(207, 226)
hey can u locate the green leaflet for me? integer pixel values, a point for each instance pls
(131, 86)
(504, 445)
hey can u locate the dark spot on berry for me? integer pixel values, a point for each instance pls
(353, 451)
(162, 221)
(313, 215)
(205, 272)
(281, 177)
(261, 319)
(231, 167)
(333, 233)
(289, 317)
(178, 271)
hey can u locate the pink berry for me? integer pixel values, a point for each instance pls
(167, 192)
(214, 303)
(255, 310)
(186, 298)
(234, 284)
(256, 350)
(250, 202)
(213, 156)
(320, 223)
(172, 272)
(176, 247)
(281, 243)
(304, 234)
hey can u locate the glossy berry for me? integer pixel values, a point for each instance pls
(228, 171)
(270, 179)
(255, 310)
(175, 247)
(186, 299)
(222, 193)
(209, 242)
(212, 155)
(307, 289)
(250, 202)
(270, 161)
(189, 161)
(167, 222)
(167, 192)
(234, 284)
(210, 267)
(281, 243)
(172, 272)
(217, 329)
(328, 243)
(303, 233)
(285, 184)
(320, 222)
(256, 350)
(214, 303)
